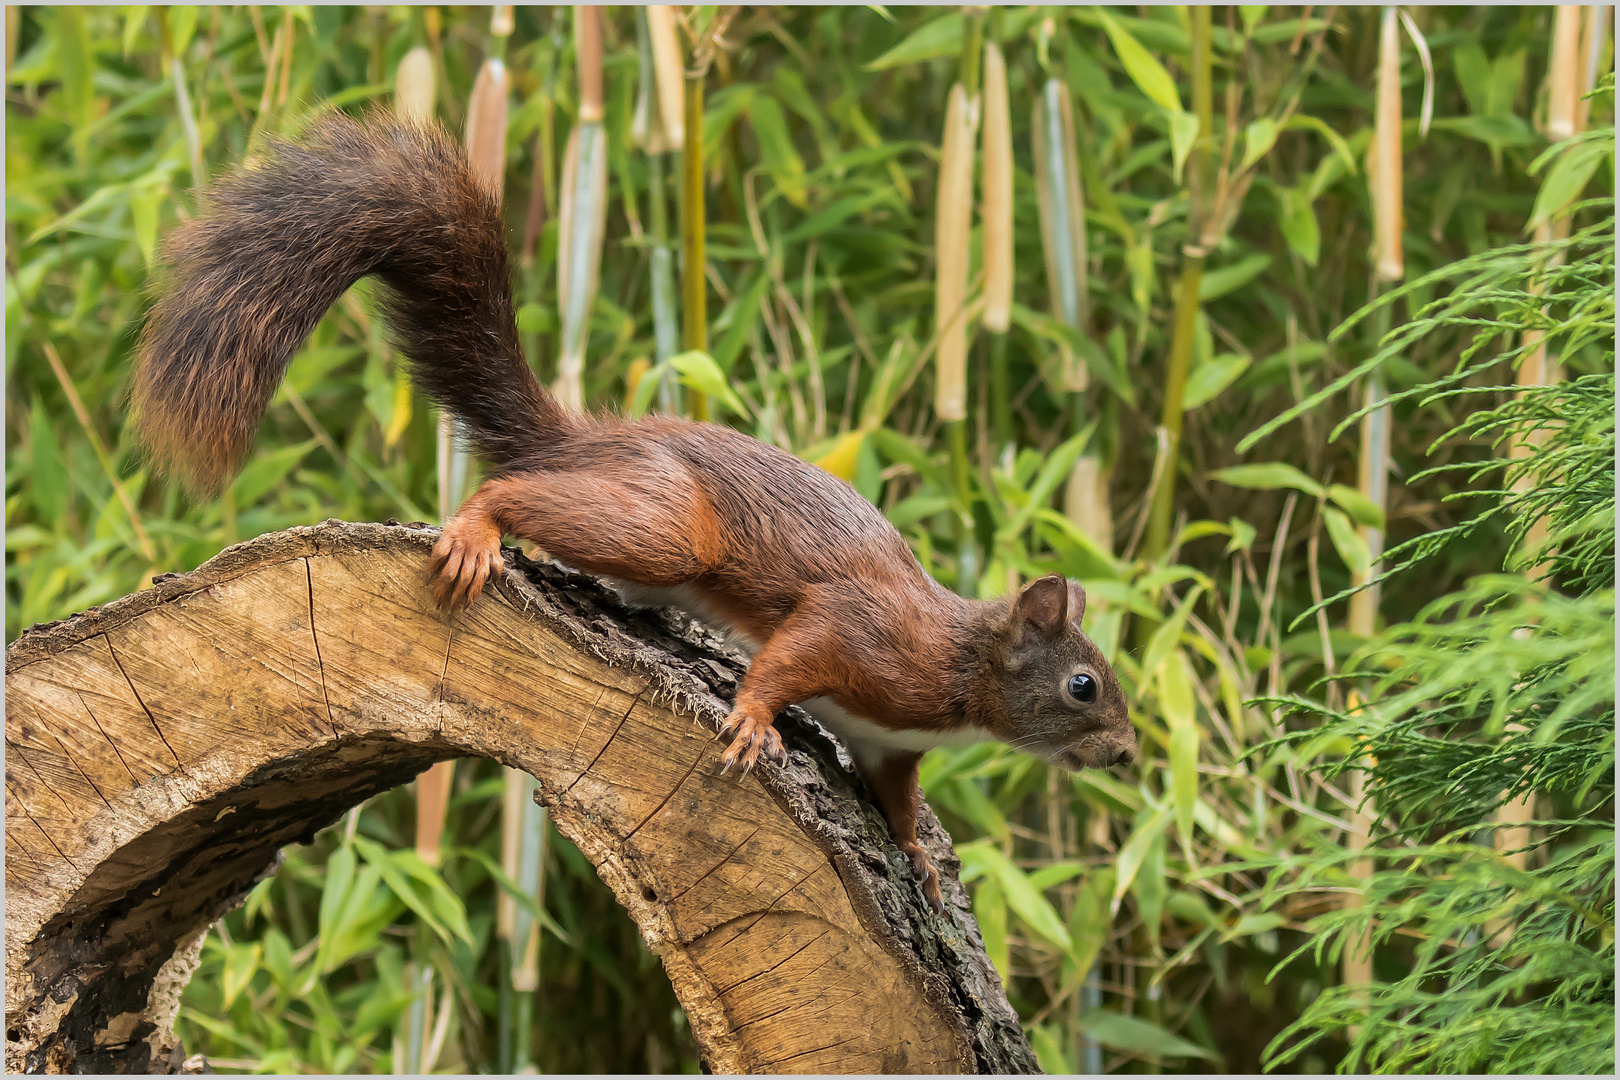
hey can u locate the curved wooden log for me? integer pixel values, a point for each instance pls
(161, 750)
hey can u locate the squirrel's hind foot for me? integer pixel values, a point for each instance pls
(927, 876)
(465, 557)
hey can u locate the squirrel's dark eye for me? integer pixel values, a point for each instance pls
(1083, 688)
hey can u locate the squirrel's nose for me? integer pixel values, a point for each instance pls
(1124, 756)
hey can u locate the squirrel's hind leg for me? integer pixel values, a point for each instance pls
(893, 781)
(646, 524)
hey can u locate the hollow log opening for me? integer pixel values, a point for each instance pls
(163, 749)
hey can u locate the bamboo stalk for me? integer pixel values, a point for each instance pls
(13, 26)
(142, 538)
(486, 154)
(583, 213)
(666, 61)
(659, 95)
(1593, 29)
(1386, 165)
(996, 209)
(486, 127)
(1564, 73)
(952, 223)
(694, 260)
(523, 824)
(1385, 172)
(1192, 276)
(414, 86)
(542, 185)
(1571, 73)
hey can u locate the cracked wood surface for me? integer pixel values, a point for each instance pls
(162, 750)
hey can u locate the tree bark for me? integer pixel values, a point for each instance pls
(161, 750)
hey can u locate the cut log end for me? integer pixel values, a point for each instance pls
(163, 749)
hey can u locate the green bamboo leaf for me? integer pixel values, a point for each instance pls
(942, 37)
(1054, 471)
(901, 449)
(1089, 924)
(75, 66)
(1168, 635)
(1212, 376)
(973, 804)
(241, 964)
(1502, 88)
(47, 475)
(1494, 131)
(1297, 220)
(1243, 535)
(1150, 888)
(1050, 1053)
(1147, 73)
(267, 470)
(641, 400)
(446, 904)
(1082, 556)
(399, 882)
(1216, 283)
(1249, 925)
(1184, 776)
(1268, 476)
(1341, 147)
(1183, 133)
(1347, 541)
(736, 323)
(1135, 851)
(782, 161)
(837, 213)
(1473, 70)
(1258, 139)
(335, 890)
(1251, 15)
(134, 20)
(1360, 508)
(699, 371)
(144, 205)
(183, 24)
(1176, 693)
(1134, 1035)
(1567, 178)
(1024, 899)
(1055, 874)
(990, 909)
(720, 110)
(1097, 361)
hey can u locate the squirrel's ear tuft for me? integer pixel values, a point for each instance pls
(1077, 603)
(1039, 612)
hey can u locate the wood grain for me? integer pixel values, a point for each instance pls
(163, 749)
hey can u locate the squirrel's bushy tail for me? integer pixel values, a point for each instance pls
(280, 242)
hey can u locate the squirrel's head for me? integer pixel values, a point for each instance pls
(1056, 695)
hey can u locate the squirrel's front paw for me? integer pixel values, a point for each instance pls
(926, 875)
(753, 736)
(464, 558)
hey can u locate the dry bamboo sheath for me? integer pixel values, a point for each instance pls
(1384, 172)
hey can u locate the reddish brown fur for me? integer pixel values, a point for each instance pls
(778, 550)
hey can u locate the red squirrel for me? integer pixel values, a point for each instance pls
(804, 572)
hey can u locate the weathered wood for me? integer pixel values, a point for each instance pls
(162, 750)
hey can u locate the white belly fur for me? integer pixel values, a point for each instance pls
(868, 743)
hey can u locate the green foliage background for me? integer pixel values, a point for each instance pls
(1190, 884)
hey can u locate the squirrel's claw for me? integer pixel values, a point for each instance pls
(927, 876)
(463, 560)
(753, 738)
